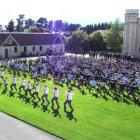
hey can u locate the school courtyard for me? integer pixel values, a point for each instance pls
(94, 117)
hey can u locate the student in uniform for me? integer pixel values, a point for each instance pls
(92, 84)
(14, 82)
(56, 96)
(68, 101)
(23, 84)
(2, 74)
(101, 87)
(29, 88)
(45, 94)
(36, 93)
(6, 84)
(35, 76)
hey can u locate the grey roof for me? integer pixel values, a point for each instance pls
(24, 39)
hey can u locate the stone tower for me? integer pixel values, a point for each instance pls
(131, 32)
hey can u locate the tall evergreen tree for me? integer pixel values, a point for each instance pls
(11, 26)
(20, 23)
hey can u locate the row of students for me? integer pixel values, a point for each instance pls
(27, 87)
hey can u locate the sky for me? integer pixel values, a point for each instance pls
(74, 11)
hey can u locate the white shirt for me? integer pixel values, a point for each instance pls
(29, 86)
(37, 88)
(56, 93)
(6, 81)
(102, 84)
(46, 90)
(23, 82)
(2, 73)
(69, 95)
(35, 74)
(138, 82)
(14, 80)
(93, 83)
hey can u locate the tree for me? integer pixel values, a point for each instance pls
(89, 29)
(58, 25)
(78, 42)
(20, 23)
(74, 27)
(29, 23)
(95, 27)
(96, 42)
(66, 27)
(50, 25)
(114, 37)
(42, 22)
(11, 26)
(1, 28)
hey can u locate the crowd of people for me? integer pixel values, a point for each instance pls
(100, 77)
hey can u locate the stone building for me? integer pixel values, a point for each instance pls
(132, 33)
(30, 44)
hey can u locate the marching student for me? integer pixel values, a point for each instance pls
(101, 87)
(2, 74)
(56, 96)
(6, 84)
(37, 89)
(35, 76)
(45, 94)
(23, 84)
(68, 101)
(29, 88)
(14, 82)
(92, 84)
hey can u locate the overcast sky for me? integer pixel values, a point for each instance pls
(76, 11)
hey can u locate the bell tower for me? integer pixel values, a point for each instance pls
(130, 31)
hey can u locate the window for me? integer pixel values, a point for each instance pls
(139, 49)
(15, 49)
(25, 49)
(40, 48)
(33, 48)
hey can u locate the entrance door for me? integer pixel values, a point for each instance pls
(6, 53)
(25, 50)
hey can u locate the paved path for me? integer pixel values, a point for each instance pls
(12, 129)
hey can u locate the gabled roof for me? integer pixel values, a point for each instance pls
(10, 41)
(24, 39)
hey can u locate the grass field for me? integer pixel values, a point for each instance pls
(97, 119)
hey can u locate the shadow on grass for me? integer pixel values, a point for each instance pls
(35, 103)
(11, 93)
(4, 91)
(45, 107)
(20, 96)
(128, 99)
(27, 100)
(70, 115)
(56, 112)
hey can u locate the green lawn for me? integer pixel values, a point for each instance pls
(97, 119)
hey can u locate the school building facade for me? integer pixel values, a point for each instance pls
(15, 44)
